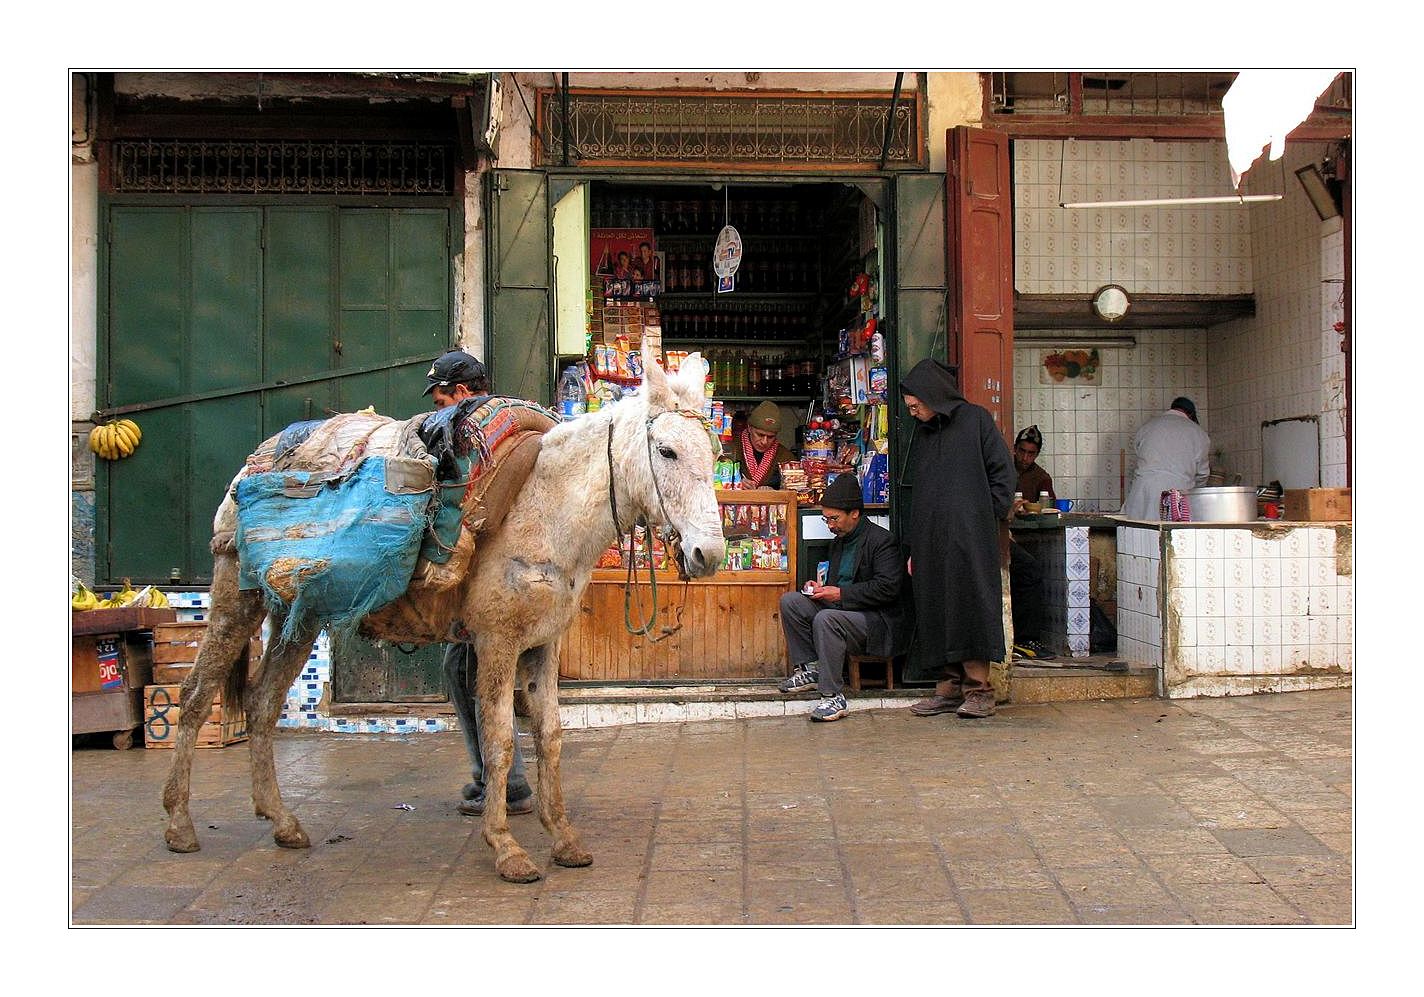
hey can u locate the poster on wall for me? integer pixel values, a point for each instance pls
(1078, 367)
(626, 263)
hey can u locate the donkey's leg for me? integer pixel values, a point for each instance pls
(233, 619)
(281, 664)
(548, 733)
(495, 681)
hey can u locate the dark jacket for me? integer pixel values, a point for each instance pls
(878, 588)
(961, 480)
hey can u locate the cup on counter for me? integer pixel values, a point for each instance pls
(1063, 505)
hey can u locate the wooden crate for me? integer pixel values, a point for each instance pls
(225, 725)
(1318, 505)
(175, 649)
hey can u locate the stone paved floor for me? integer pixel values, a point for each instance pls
(1221, 811)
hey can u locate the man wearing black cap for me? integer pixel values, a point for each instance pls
(454, 377)
(451, 379)
(1032, 478)
(857, 611)
(1171, 451)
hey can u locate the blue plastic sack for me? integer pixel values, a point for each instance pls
(329, 551)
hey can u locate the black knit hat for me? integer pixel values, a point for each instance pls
(843, 493)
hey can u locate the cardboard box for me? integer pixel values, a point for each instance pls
(1318, 505)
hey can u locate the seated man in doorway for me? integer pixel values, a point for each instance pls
(454, 377)
(857, 611)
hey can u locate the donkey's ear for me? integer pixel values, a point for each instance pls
(655, 383)
(690, 381)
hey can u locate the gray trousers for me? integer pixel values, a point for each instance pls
(817, 633)
(459, 666)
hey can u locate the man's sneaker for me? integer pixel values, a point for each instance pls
(802, 678)
(476, 807)
(830, 709)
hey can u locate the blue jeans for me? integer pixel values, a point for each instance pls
(460, 666)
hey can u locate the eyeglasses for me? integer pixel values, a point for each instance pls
(839, 517)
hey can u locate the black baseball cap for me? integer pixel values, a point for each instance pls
(455, 367)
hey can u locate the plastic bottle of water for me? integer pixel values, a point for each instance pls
(571, 397)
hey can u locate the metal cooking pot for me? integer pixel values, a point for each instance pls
(1222, 505)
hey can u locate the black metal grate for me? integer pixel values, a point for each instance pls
(280, 167)
(811, 130)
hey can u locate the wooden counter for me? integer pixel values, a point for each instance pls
(730, 623)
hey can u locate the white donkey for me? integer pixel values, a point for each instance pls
(649, 456)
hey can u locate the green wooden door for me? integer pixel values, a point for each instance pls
(521, 338)
(228, 323)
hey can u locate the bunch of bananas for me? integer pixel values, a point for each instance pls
(115, 440)
(80, 596)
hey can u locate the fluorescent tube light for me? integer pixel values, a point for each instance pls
(1107, 343)
(1168, 201)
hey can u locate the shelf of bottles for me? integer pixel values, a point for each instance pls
(744, 372)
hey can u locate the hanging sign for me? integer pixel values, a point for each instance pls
(727, 255)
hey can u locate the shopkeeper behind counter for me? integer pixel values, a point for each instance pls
(758, 450)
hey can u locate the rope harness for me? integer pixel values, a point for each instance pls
(671, 538)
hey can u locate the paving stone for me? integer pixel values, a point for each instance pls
(1237, 811)
(1272, 841)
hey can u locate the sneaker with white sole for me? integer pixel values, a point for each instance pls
(802, 679)
(832, 708)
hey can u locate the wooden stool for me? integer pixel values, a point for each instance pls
(875, 660)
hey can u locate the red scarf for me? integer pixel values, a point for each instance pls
(756, 470)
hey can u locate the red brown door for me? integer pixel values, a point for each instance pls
(981, 290)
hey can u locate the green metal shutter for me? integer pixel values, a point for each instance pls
(219, 305)
(521, 348)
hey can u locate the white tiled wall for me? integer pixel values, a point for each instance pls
(1239, 610)
(1139, 621)
(1284, 361)
(1087, 431)
(1280, 363)
(1199, 249)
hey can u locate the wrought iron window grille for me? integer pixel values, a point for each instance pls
(182, 166)
(630, 128)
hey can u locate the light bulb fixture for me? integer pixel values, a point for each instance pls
(1321, 197)
(1154, 202)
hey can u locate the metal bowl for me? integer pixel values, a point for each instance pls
(1222, 505)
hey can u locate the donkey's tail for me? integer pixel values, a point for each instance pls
(236, 685)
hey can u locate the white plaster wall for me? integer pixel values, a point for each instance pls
(83, 252)
(1269, 366)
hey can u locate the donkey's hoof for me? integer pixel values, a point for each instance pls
(517, 869)
(572, 856)
(293, 838)
(181, 843)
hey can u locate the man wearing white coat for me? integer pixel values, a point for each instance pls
(1172, 452)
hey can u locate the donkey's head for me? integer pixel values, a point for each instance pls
(679, 494)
